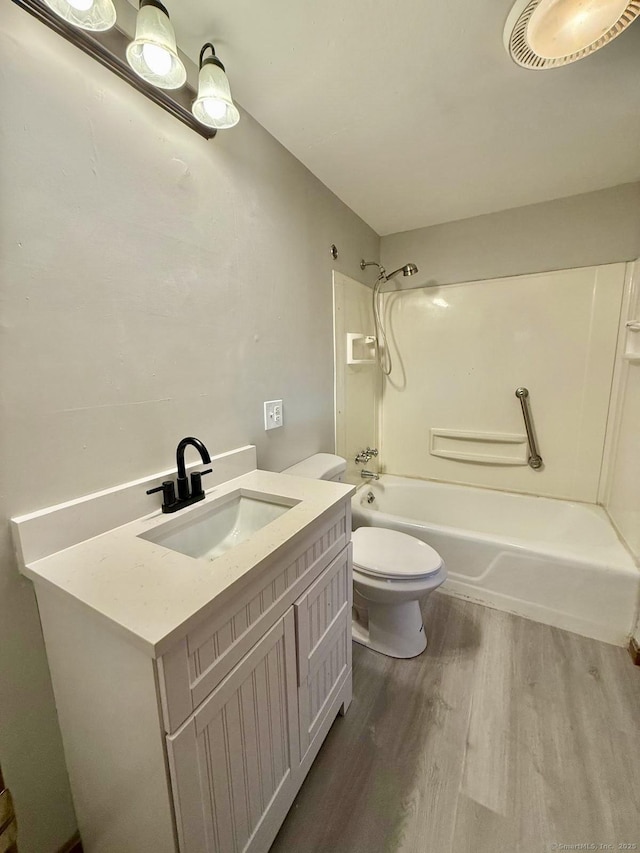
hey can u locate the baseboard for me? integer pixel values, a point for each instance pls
(73, 845)
(634, 651)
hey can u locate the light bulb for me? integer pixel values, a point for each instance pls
(94, 15)
(214, 107)
(157, 58)
(153, 53)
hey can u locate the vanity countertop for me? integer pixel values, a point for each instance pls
(155, 595)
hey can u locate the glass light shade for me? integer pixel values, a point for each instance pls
(214, 107)
(559, 28)
(96, 15)
(153, 53)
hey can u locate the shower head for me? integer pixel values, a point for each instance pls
(407, 269)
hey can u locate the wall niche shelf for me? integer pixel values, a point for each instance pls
(361, 349)
(632, 344)
(486, 448)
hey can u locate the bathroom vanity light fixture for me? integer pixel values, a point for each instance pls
(214, 106)
(109, 48)
(94, 15)
(542, 34)
(153, 54)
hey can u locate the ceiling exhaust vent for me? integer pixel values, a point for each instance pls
(543, 34)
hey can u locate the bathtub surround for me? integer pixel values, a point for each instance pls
(622, 493)
(154, 285)
(357, 386)
(585, 230)
(449, 414)
(622, 485)
(462, 351)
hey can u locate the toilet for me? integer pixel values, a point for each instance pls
(392, 573)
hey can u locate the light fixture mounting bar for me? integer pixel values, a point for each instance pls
(109, 49)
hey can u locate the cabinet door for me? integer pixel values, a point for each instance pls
(323, 625)
(232, 762)
(197, 664)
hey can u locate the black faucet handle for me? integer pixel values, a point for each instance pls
(196, 482)
(168, 489)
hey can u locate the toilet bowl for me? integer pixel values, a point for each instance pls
(392, 573)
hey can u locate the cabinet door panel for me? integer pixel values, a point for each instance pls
(231, 763)
(323, 627)
(324, 680)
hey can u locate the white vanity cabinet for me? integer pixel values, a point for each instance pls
(238, 761)
(202, 747)
(233, 763)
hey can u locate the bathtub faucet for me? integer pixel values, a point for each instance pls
(365, 455)
(369, 475)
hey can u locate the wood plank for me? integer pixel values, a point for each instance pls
(504, 735)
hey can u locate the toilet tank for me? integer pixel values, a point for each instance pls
(321, 466)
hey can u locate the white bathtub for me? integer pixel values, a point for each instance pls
(554, 561)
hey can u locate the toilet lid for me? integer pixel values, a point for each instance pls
(391, 554)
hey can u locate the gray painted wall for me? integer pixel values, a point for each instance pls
(152, 285)
(584, 230)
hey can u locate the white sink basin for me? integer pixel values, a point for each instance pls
(214, 528)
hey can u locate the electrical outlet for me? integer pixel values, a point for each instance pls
(273, 414)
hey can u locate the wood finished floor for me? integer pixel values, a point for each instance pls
(505, 735)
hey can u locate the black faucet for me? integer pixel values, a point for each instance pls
(186, 496)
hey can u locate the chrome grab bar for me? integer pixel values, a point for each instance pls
(535, 460)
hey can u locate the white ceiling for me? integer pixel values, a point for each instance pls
(412, 112)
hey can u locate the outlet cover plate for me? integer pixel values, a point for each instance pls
(273, 414)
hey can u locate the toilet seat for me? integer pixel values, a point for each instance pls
(383, 553)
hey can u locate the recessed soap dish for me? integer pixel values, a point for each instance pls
(632, 346)
(361, 349)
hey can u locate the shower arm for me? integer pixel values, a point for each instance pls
(406, 270)
(382, 272)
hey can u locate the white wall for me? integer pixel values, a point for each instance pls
(154, 285)
(623, 492)
(357, 385)
(585, 230)
(461, 351)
